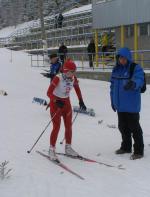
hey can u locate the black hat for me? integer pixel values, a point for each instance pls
(52, 55)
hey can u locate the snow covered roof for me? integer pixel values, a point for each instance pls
(85, 8)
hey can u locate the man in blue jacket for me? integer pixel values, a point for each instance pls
(125, 93)
(55, 66)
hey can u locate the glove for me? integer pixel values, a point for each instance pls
(130, 85)
(59, 103)
(82, 105)
(48, 105)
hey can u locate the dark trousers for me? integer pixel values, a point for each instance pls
(129, 126)
(91, 59)
(62, 58)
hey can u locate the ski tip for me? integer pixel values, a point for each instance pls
(55, 161)
(82, 178)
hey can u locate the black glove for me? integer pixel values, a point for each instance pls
(60, 103)
(130, 85)
(82, 105)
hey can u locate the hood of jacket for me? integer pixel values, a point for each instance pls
(125, 52)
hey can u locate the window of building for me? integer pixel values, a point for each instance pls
(129, 31)
(143, 28)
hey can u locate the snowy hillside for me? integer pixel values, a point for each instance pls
(22, 121)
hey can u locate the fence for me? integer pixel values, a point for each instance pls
(105, 60)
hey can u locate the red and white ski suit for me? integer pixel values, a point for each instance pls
(59, 89)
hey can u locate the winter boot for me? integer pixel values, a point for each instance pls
(52, 153)
(121, 151)
(69, 151)
(136, 156)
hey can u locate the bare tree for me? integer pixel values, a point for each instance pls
(4, 173)
(41, 16)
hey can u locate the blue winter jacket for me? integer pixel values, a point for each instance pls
(55, 68)
(126, 100)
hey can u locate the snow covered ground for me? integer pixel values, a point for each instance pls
(22, 121)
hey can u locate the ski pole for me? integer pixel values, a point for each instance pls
(61, 142)
(29, 151)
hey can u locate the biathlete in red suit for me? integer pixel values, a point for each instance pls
(60, 106)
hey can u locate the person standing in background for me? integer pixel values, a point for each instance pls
(91, 52)
(63, 52)
(55, 66)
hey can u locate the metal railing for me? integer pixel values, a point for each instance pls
(105, 60)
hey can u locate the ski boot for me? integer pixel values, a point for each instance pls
(52, 154)
(136, 156)
(121, 151)
(70, 152)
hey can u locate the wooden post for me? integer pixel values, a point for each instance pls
(135, 42)
(40, 9)
(122, 36)
(96, 46)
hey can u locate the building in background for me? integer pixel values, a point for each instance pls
(131, 21)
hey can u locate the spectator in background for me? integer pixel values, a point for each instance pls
(91, 52)
(56, 22)
(105, 44)
(55, 66)
(62, 52)
(60, 20)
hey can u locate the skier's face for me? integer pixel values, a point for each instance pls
(70, 73)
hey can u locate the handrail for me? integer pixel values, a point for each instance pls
(104, 61)
(53, 38)
(66, 21)
(28, 30)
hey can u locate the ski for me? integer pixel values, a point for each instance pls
(40, 101)
(60, 164)
(91, 160)
(79, 157)
(88, 111)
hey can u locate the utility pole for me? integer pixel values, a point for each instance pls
(41, 16)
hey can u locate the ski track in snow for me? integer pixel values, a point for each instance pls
(23, 121)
